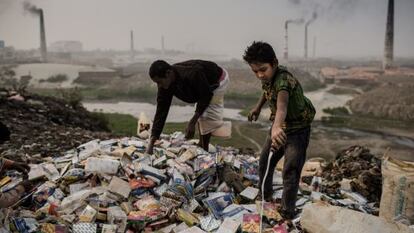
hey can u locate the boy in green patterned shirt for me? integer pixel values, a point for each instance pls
(291, 115)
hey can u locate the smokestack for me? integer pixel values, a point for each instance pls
(389, 37)
(314, 47)
(132, 44)
(132, 41)
(285, 53)
(43, 49)
(38, 12)
(287, 22)
(162, 46)
(314, 16)
(306, 41)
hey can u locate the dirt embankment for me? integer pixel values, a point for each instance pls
(242, 79)
(45, 125)
(391, 101)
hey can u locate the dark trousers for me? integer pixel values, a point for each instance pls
(295, 155)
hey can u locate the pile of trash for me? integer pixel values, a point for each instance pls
(87, 180)
(356, 169)
(113, 186)
(114, 182)
(39, 125)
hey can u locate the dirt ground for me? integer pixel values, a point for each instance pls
(326, 143)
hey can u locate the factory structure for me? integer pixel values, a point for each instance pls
(389, 38)
(66, 46)
(388, 57)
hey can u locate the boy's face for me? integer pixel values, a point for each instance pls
(263, 71)
(164, 82)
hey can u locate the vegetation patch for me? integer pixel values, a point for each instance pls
(58, 78)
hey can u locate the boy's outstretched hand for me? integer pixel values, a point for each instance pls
(27, 185)
(253, 114)
(21, 167)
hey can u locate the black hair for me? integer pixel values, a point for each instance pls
(159, 68)
(260, 52)
(4, 133)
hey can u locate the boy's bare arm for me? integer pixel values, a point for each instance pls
(278, 135)
(261, 101)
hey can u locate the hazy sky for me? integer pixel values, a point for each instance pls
(345, 28)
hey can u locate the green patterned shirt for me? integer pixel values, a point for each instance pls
(300, 111)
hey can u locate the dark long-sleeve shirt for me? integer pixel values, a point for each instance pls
(195, 82)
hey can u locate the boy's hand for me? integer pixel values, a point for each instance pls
(27, 185)
(254, 114)
(21, 167)
(278, 137)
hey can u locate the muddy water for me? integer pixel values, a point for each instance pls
(321, 99)
(176, 114)
(40, 71)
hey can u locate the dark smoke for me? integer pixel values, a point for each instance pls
(295, 1)
(314, 17)
(28, 7)
(328, 9)
(295, 21)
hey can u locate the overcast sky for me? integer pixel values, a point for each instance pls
(344, 28)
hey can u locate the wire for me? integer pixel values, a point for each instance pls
(262, 187)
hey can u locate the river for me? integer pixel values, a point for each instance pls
(320, 98)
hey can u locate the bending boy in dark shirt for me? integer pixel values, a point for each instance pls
(193, 81)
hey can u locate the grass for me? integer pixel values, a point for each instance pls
(343, 91)
(126, 125)
(120, 124)
(241, 100)
(254, 131)
(56, 78)
(336, 111)
(245, 112)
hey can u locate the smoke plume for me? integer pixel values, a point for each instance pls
(314, 16)
(32, 9)
(329, 9)
(295, 21)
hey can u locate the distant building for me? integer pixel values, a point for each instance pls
(352, 75)
(96, 77)
(66, 46)
(7, 54)
(2, 44)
